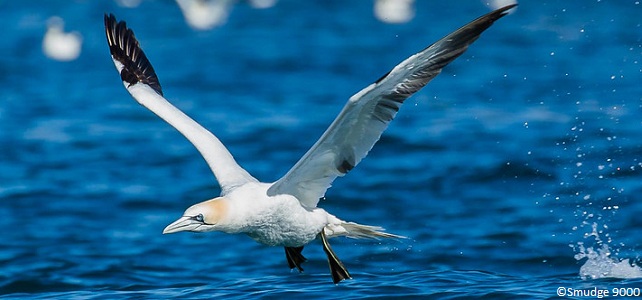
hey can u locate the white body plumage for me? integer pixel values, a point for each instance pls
(274, 220)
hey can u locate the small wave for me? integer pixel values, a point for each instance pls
(30, 286)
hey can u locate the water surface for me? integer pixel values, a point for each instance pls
(508, 173)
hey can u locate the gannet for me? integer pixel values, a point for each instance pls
(394, 11)
(59, 45)
(285, 213)
(205, 14)
(262, 4)
(129, 3)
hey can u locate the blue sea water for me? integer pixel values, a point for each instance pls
(514, 173)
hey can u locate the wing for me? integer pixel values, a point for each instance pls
(141, 82)
(367, 114)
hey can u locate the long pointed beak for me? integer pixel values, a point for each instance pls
(182, 224)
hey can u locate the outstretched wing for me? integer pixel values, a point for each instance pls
(367, 114)
(141, 82)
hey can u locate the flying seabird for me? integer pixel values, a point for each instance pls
(394, 11)
(285, 213)
(205, 14)
(58, 44)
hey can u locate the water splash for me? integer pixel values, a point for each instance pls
(602, 262)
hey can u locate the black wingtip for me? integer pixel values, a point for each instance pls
(471, 31)
(495, 14)
(124, 48)
(505, 10)
(467, 34)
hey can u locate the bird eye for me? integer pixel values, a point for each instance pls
(199, 218)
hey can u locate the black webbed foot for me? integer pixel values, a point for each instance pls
(294, 257)
(338, 271)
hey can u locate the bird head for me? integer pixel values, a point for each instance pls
(201, 217)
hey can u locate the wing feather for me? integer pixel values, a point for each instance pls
(141, 82)
(367, 114)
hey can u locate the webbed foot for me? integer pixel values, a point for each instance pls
(294, 257)
(338, 271)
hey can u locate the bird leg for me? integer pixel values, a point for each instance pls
(338, 271)
(294, 257)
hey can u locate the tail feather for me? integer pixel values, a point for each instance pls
(358, 231)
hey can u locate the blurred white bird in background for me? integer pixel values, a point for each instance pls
(205, 14)
(394, 11)
(262, 4)
(129, 3)
(59, 45)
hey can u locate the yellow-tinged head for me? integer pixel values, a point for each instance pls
(200, 217)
